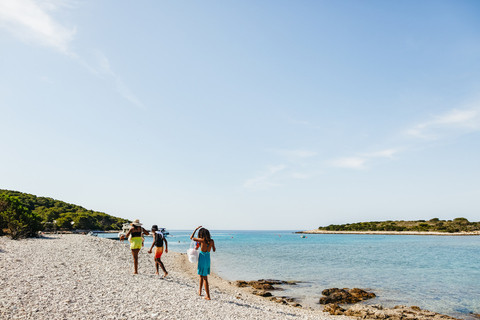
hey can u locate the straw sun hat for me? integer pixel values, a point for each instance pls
(136, 223)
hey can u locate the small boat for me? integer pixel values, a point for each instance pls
(164, 231)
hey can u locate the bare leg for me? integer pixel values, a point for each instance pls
(159, 262)
(135, 260)
(201, 285)
(156, 265)
(207, 288)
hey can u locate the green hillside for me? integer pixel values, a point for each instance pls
(63, 213)
(433, 225)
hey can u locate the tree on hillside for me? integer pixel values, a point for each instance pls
(64, 214)
(16, 220)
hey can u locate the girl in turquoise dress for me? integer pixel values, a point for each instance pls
(203, 268)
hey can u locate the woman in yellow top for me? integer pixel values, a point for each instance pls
(136, 241)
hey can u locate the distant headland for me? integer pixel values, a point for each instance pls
(435, 226)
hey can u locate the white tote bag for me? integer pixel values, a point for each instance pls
(192, 253)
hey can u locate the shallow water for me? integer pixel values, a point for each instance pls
(437, 273)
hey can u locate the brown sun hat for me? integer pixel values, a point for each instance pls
(136, 223)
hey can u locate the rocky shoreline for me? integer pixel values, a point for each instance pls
(411, 233)
(377, 312)
(69, 276)
(343, 302)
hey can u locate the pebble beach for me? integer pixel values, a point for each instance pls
(67, 276)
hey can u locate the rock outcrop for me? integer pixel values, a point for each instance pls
(334, 309)
(262, 293)
(341, 296)
(285, 300)
(263, 284)
(262, 288)
(378, 312)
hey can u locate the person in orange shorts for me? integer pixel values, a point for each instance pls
(158, 240)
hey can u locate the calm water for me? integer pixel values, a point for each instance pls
(438, 273)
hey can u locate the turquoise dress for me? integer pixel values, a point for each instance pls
(203, 268)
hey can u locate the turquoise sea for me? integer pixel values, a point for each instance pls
(437, 273)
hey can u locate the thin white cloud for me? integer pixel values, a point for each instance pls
(127, 94)
(106, 68)
(29, 20)
(104, 64)
(451, 122)
(262, 181)
(361, 161)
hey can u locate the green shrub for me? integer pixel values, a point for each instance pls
(63, 213)
(461, 221)
(17, 221)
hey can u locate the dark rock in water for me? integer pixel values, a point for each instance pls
(262, 293)
(261, 284)
(475, 315)
(271, 281)
(262, 287)
(241, 283)
(283, 300)
(277, 282)
(336, 295)
(361, 294)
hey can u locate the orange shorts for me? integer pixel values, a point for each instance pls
(158, 252)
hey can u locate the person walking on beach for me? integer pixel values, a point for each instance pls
(158, 240)
(203, 268)
(136, 241)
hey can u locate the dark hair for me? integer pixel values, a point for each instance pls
(155, 227)
(205, 235)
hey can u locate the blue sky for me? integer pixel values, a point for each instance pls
(246, 114)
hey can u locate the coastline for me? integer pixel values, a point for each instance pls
(68, 276)
(410, 233)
